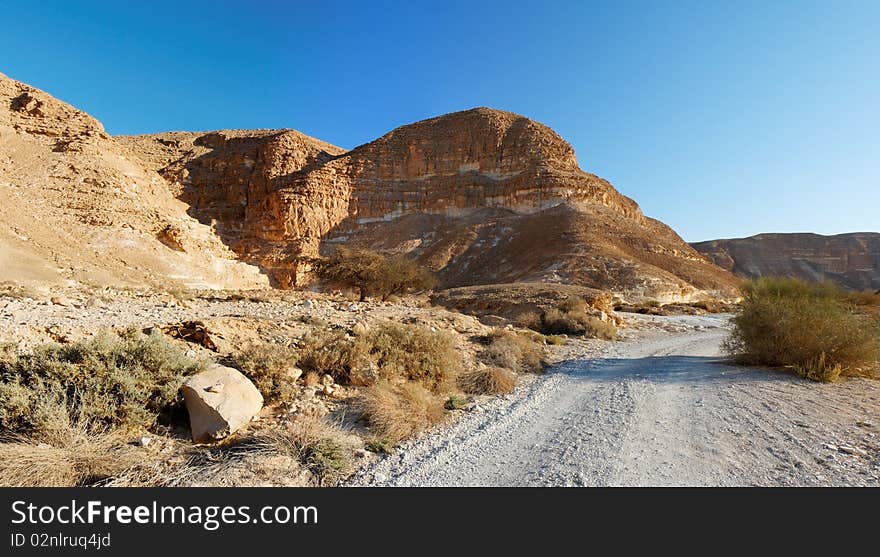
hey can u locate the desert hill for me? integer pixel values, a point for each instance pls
(852, 260)
(77, 207)
(482, 196)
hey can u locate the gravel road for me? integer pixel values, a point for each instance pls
(658, 409)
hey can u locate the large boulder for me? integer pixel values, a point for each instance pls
(219, 400)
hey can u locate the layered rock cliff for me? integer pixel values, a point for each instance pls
(482, 196)
(76, 206)
(852, 260)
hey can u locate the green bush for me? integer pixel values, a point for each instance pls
(811, 328)
(126, 381)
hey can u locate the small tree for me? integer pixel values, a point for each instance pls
(371, 273)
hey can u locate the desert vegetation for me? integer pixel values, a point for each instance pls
(818, 330)
(373, 274)
(572, 316)
(127, 382)
(271, 368)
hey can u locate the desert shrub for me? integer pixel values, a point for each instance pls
(268, 366)
(569, 317)
(556, 340)
(513, 351)
(373, 274)
(415, 353)
(865, 301)
(455, 402)
(62, 454)
(395, 412)
(127, 381)
(577, 322)
(390, 351)
(379, 446)
(809, 327)
(529, 320)
(318, 444)
(334, 353)
(486, 380)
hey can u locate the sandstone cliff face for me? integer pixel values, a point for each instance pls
(76, 206)
(481, 196)
(852, 260)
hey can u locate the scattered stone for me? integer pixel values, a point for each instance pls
(294, 373)
(219, 400)
(308, 304)
(327, 380)
(95, 303)
(379, 478)
(830, 447)
(144, 441)
(61, 301)
(359, 329)
(328, 390)
(848, 449)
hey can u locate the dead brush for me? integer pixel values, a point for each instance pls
(513, 351)
(323, 447)
(486, 380)
(395, 412)
(62, 454)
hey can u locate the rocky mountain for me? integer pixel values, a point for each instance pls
(482, 196)
(851, 260)
(76, 206)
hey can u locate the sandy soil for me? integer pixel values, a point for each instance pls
(659, 409)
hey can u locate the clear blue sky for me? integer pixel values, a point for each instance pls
(722, 119)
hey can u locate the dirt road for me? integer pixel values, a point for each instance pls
(659, 409)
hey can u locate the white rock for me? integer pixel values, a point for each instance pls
(852, 450)
(219, 400)
(144, 441)
(294, 373)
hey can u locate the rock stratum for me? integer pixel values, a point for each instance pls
(481, 196)
(851, 260)
(76, 206)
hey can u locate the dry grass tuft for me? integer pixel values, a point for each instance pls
(318, 444)
(487, 380)
(513, 351)
(62, 454)
(395, 412)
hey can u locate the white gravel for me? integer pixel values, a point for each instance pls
(660, 408)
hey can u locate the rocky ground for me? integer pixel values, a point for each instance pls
(660, 408)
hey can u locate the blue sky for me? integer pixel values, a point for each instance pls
(722, 119)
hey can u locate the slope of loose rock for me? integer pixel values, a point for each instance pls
(78, 207)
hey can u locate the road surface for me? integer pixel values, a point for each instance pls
(659, 409)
